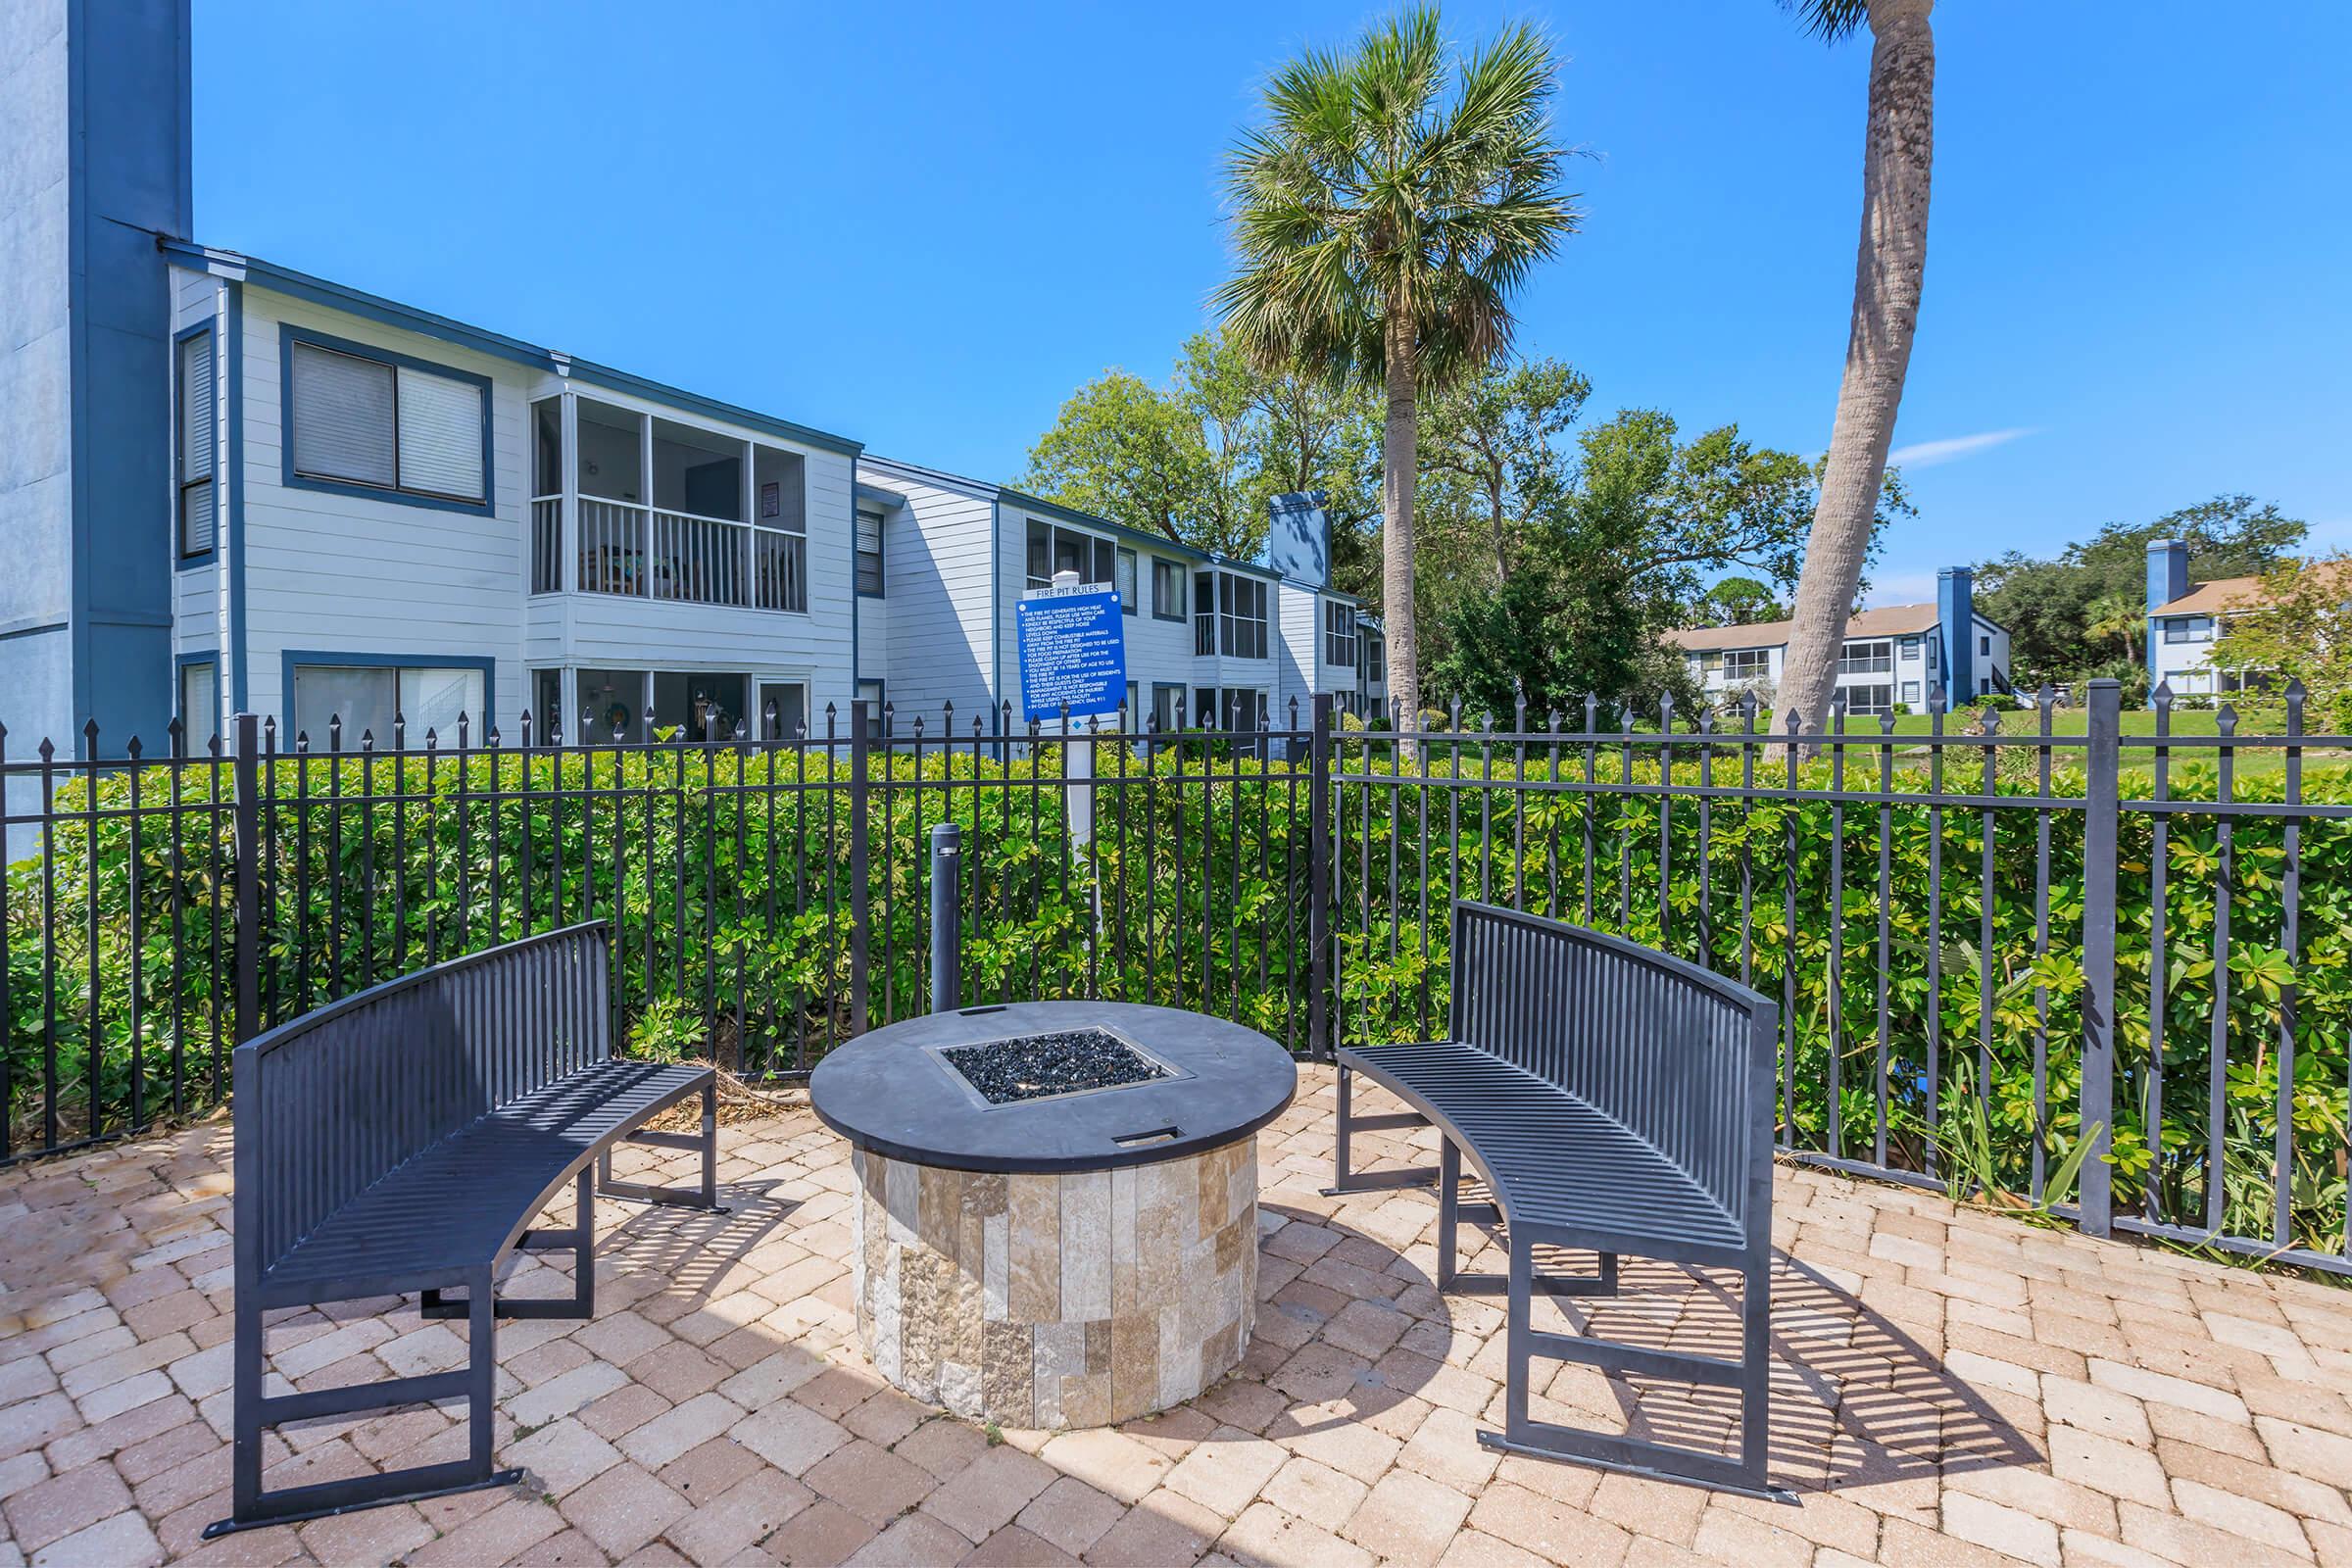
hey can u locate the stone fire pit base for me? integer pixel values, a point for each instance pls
(1055, 1300)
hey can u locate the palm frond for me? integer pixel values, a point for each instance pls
(1396, 179)
(1830, 19)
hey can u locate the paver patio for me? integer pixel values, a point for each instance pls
(1952, 1387)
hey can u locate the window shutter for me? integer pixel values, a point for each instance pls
(342, 416)
(440, 435)
(196, 407)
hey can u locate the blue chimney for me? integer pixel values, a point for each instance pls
(1956, 628)
(1298, 538)
(2168, 580)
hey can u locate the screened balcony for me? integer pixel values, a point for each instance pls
(635, 504)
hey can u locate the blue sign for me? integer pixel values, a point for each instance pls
(1073, 648)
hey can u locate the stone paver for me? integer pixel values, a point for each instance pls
(1955, 1388)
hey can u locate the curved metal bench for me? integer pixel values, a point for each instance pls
(402, 1139)
(1615, 1100)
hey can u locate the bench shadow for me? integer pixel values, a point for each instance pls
(690, 1250)
(1855, 1400)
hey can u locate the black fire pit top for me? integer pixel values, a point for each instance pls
(1053, 1086)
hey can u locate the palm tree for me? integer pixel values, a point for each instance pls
(2118, 616)
(1898, 152)
(1392, 203)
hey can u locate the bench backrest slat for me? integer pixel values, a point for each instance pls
(1681, 1057)
(330, 1103)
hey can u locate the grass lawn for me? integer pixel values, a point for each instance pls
(2251, 761)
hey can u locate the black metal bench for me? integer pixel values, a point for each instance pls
(403, 1139)
(1615, 1100)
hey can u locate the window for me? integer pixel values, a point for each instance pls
(2189, 629)
(1869, 700)
(870, 692)
(780, 531)
(1125, 583)
(1934, 652)
(199, 704)
(1166, 703)
(369, 699)
(1910, 646)
(612, 701)
(384, 425)
(783, 710)
(1910, 692)
(870, 552)
(1054, 550)
(549, 724)
(1985, 646)
(1229, 614)
(1238, 711)
(1339, 635)
(1748, 663)
(700, 705)
(196, 444)
(1866, 657)
(1167, 590)
(1134, 710)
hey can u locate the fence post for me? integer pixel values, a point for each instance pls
(858, 813)
(1318, 882)
(249, 877)
(946, 918)
(2105, 758)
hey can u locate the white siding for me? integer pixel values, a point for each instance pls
(936, 644)
(350, 574)
(199, 611)
(1159, 651)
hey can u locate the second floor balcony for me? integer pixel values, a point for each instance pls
(638, 506)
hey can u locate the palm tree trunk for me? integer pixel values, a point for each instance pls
(1399, 460)
(1892, 255)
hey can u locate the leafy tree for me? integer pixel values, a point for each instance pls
(1125, 450)
(1395, 200)
(1616, 555)
(1495, 448)
(1738, 602)
(1199, 457)
(2298, 626)
(1889, 262)
(2066, 614)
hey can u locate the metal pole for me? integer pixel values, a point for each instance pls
(1318, 882)
(860, 926)
(249, 877)
(2105, 753)
(946, 918)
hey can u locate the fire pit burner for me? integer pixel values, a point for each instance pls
(1067, 1062)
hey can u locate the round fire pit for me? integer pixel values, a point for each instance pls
(1057, 1219)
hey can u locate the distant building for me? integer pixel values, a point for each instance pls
(1897, 653)
(2185, 618)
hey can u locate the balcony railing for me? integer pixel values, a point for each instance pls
(650, 553)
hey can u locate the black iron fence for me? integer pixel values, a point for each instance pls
(2031, 955)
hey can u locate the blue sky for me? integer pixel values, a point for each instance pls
(925, 228)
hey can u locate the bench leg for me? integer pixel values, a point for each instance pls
(1449, 1228)
(580, 1237)
(703, 1196)
(1748, 1474)
(252, 1411)
(1347, 1124)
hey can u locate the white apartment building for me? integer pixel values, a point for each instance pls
(1897, 653)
